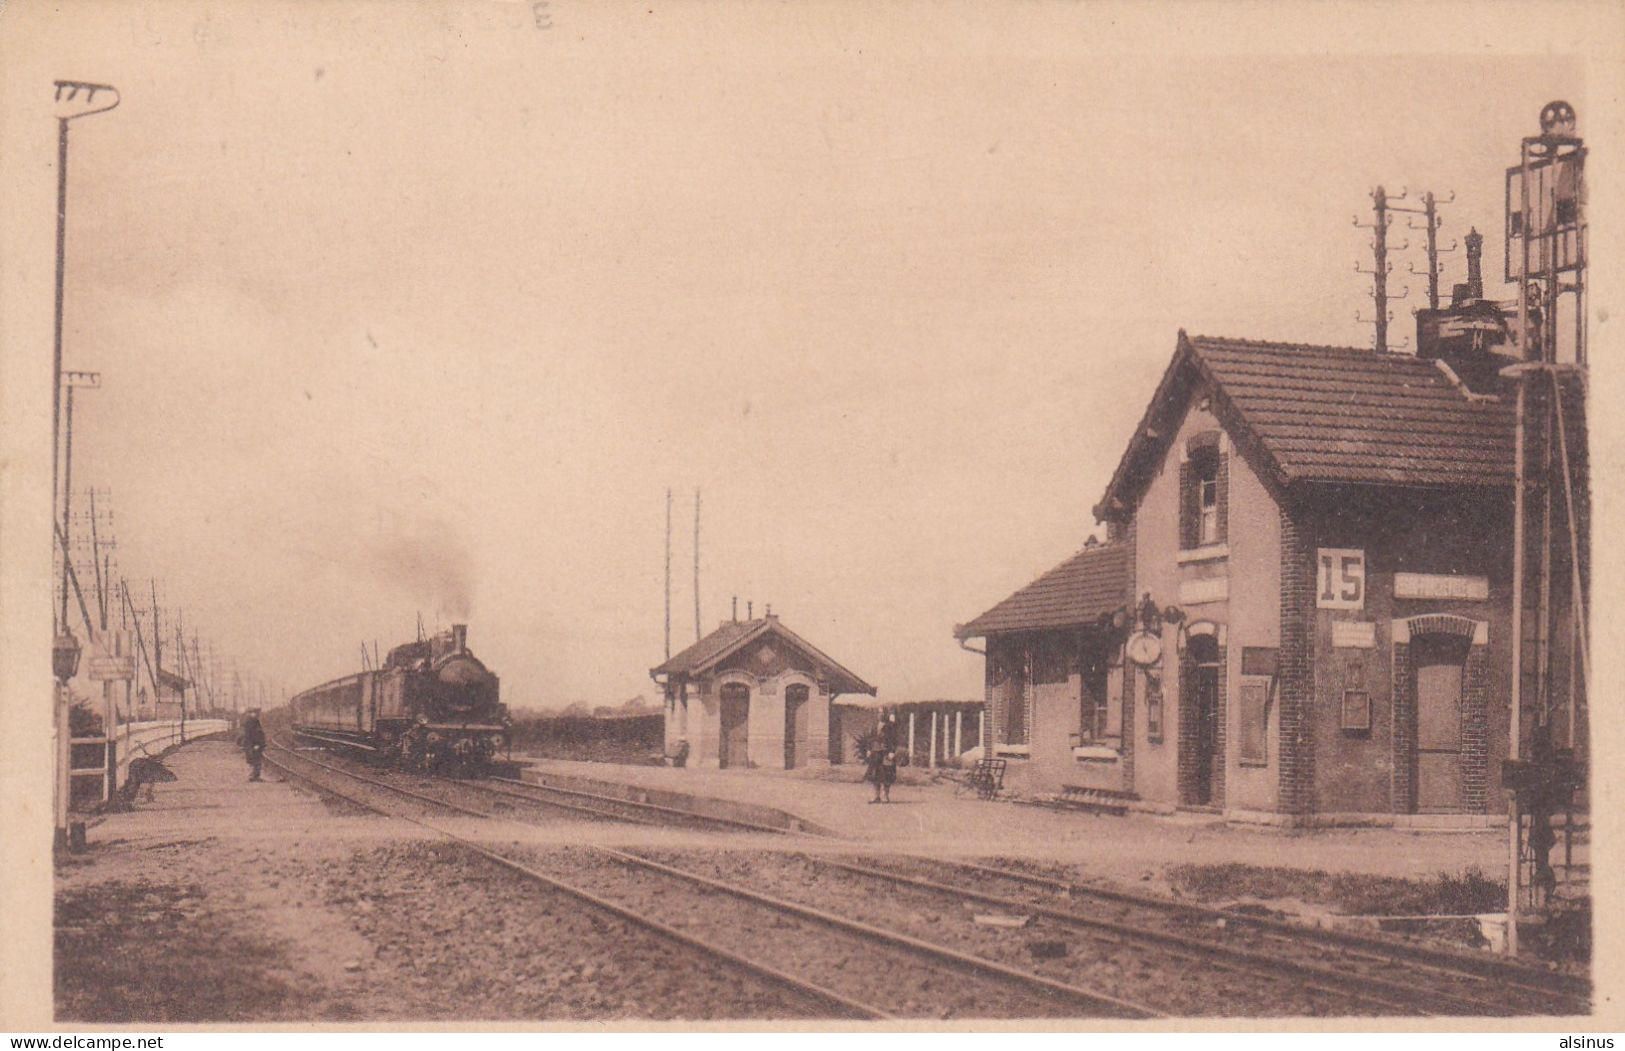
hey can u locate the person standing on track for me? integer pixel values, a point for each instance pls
(253, 742)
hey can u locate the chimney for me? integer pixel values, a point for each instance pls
(1475, 275)
(459, 638)
(736, 609)
(750, 608)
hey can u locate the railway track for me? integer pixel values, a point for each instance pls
(616, 807)
(924, 978)
(581, 803)
(1464, 977)
(831, 1003)
(1316, 971)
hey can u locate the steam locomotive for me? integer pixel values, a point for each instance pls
(432, 706)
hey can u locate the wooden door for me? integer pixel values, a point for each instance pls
(1204, 652)
(1439, 664)
(795, 709)
(733, 745)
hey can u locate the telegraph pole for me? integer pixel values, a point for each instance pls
(668, 573)
(1430, 223)
(696, 564)
(1381, 268)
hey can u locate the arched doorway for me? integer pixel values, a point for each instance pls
(795, 725)
(733, 742)
(1439, 661)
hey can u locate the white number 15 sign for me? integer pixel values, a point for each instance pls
(1342, 578)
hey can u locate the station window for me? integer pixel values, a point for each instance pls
(1201, 496)
(1356, 700)
(1050, 664)
(1098, 720)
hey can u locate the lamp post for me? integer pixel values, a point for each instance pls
(65, 652)
(74, 99)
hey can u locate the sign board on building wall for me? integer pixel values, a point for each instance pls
(1354, 634)
(1441, 585)
(1340, 583)
(1205, 589)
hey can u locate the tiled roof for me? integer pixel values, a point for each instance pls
(1328, 414)
(1348, 415)
(711, 647)
(173, 681)
(734, 634)
(1095, 581)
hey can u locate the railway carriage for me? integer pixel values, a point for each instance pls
(432, 706)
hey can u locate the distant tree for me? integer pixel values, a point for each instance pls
(577, 708)
(82, 722)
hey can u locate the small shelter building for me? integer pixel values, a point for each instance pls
(170, 701)
(754, 694)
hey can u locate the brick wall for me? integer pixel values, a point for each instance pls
(1295, 675)
(1128, 674)
(1475, 731)
(1404, 701)
(1221, 743)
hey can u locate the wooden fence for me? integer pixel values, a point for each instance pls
(108, 759)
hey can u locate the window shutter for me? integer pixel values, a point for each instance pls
(1189, 508)
(1224, 498)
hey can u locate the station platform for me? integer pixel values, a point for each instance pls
(925, 815)
(212, 797)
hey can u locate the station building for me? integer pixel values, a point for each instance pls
(753, 693)
(1302, 611)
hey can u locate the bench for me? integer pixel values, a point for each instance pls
(986, 777)
(1097, 800)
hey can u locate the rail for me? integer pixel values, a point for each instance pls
(1094, 1000)
(132, 740)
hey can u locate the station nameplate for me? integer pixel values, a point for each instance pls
(111, 669)
(1441, 585)
(1196, 592)
(1354, 634)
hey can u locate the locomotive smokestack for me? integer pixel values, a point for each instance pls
(459, 638)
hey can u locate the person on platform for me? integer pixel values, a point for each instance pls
(253, 742)
(882, 768)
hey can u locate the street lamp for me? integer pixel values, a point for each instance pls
(65, 652)
(74, 99)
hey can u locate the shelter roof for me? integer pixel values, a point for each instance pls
(734, 635)
(1092, 583)
(173, 681)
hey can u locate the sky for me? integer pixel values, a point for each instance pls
(419, 309)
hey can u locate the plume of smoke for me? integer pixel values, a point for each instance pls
(427, 561)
